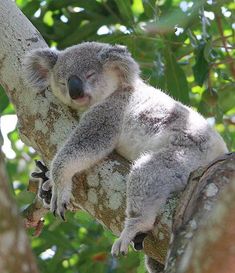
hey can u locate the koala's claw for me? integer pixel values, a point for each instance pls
(62, 215)
(60, 201)
(43, 170)
(44, 191)
(54, 213)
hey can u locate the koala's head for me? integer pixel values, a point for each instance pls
(83, 74)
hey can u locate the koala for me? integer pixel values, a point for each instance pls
(164, 139)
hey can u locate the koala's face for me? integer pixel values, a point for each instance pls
(83, 74)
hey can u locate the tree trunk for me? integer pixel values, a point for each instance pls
(15, 251)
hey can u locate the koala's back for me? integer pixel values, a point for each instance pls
(154, 121)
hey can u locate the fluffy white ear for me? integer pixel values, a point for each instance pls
(37, 65)
(118, 57)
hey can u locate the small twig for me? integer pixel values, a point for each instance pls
(227, 61)
(228, 47)
(220, 38)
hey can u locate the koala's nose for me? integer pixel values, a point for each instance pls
(75, 87)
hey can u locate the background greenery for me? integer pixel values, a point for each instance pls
(184, 47)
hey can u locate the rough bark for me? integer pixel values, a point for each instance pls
(44, 124)
(15, 251)
(204, 227)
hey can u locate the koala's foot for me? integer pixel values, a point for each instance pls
(44, 191)
(135, 229)
(61, 194)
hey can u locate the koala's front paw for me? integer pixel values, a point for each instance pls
(60, 199)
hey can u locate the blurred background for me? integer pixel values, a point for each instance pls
(184, 47)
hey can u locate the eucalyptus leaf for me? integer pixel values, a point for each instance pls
(175, 77)
(125, 10)
(201, 67)
(227, 97)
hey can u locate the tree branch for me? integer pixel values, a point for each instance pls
(204, 227)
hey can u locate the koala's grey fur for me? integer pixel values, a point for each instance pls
(164, 139)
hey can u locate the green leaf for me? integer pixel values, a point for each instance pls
(149, 7)
(9, 109)
(201, 67)
(25, 197)
(87, 5)
(84, 32)
(30, 8)
(48, 19)
(207, 51)
(4, 101)
(168, 22)
(124, 7)
(210, 97)
(137, 7)
(227, 97)
(175, 77)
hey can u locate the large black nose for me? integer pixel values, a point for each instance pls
(75, 87)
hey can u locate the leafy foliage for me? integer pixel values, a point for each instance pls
(183, 47)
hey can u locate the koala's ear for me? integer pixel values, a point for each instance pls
(118, 57)
(37, 65)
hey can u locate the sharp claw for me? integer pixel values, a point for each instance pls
(41, 166)
(35, 174)
(62, 216)
(65, 206)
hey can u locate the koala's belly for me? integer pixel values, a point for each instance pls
(133, 143)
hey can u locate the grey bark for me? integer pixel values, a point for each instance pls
(203, 240)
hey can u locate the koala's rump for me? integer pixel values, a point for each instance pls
(154, 121)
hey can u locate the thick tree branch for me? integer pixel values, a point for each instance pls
(205, 223)
(44, 124)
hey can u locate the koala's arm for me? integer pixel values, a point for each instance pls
(93, 139)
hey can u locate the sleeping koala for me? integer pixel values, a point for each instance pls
(164, 139)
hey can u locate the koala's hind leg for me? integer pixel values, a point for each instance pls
(152, 178)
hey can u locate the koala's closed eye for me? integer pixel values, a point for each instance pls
(90, 74)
